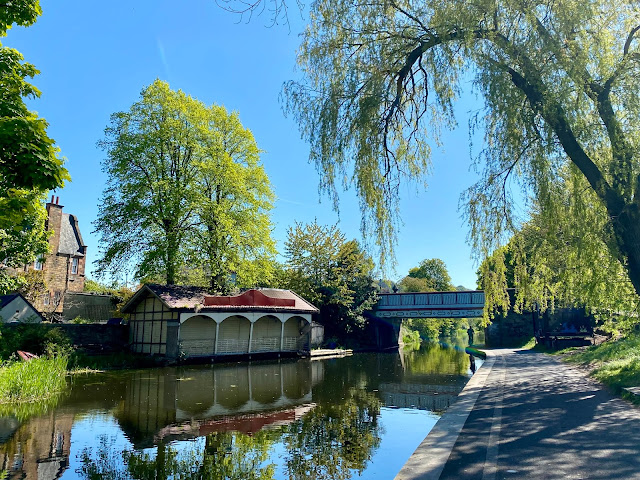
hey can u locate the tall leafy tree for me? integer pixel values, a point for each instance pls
(29, 161)
(234, 197)
(185, 191)
(559, 83)
(434, 272)
(333, 273)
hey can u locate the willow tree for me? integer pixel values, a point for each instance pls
(182, 177)
(559, 83)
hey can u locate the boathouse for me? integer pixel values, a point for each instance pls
(186, 322)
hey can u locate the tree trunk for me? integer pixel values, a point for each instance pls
(627, 229)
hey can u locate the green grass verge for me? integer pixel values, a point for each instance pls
(614, 363)
(32, 381)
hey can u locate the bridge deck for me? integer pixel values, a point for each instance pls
(468, 304)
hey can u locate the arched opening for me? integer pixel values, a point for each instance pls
(195, 393)
(198, 336)
(232, 384)
(296, 379)
(296, 334)
(234, 335)
(265, 382)
(266, 334)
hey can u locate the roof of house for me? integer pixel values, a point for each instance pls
(70, 238)
(7, 299)
(188, 297)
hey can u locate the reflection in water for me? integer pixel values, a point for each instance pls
(295, 420)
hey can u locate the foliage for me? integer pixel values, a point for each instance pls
(34, 380)
(332, 273)
(615, 363)
(333, 441)
(35, 338)
(435, 358)
(414, 285)
(435, 272)
(564, 261)
(436, 328)
(185, 193)
(30, 165)
(120, 294)
(559, 84)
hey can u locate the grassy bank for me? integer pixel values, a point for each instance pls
(36, 380)
(614, 363)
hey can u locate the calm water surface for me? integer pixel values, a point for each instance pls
(355, 417)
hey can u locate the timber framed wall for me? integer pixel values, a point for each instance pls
(148, 326)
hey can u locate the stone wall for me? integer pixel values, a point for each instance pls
(94, 338)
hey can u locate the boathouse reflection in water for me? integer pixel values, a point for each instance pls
(320, 416)
(157, 402)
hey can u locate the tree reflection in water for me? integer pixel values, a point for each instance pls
(329, 442)
(332, 441)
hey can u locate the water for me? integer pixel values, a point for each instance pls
(355, 417)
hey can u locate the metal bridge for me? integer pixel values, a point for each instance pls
(463, 304)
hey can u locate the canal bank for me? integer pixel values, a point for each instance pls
(528, 415)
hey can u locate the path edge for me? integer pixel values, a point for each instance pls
(429, 459)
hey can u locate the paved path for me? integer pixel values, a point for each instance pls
(528, 415)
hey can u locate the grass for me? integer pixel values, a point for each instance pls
(615, 363)
(32, 381)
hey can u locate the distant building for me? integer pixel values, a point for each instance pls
(180, 321)
(64, 266)
(14, 308)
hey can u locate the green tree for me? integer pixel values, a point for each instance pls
(185, 192)
(434, 272)
(29, 163)
(234, 198)
(559, 83)
(334, 274)
(564, 262)
(413, 285)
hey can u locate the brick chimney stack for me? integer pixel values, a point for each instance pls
(54, 221)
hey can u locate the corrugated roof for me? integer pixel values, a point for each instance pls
(187, 297)
(179, 296)
(70, 238)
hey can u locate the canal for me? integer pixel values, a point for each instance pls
(354, 417)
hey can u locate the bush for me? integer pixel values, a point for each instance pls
(38, 339)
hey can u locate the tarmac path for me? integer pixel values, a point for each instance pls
(527, 415)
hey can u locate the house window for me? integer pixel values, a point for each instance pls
(39, 263)
(56, 298)
(74, 266)
(46, 298)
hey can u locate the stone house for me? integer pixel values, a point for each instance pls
(186, 322)
(64, 265)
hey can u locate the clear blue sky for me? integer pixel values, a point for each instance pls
(95, 58)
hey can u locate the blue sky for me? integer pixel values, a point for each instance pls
(95, 58)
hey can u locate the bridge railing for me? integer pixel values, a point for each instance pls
(468, 299)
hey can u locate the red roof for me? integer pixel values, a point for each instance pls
(186, 297)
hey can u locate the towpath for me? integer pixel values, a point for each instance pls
(527, 415)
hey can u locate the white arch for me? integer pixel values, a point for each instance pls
(253, 317)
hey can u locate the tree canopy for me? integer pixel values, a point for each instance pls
(560, 90)
(186, 196)
(29, 161)
(333, 273)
